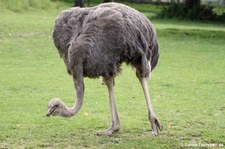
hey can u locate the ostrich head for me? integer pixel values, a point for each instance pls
(56, 107)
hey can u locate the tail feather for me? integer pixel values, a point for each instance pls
(154, 55)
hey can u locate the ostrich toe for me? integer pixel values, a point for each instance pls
(108, 132)
(156, 125)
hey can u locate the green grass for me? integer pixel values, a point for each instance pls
(187, 89)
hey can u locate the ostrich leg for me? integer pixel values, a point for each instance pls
(155, 124)
(114, 115)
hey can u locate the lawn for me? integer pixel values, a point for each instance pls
(187, 89)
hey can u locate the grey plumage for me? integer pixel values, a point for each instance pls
(95, 42)
(102, 37)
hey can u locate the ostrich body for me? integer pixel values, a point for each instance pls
(95, 42)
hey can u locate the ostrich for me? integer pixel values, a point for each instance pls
(94, 42)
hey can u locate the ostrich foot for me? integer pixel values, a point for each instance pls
(108, 132)
(155, 124)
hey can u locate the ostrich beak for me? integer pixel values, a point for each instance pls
(51, 111)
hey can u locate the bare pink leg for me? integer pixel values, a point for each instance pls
(114, 115)
(155, 124)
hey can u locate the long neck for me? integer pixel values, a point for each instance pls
(70, 111)
(79, 87)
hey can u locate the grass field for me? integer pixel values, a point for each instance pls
(187, 89)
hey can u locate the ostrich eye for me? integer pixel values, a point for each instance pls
(56, 106)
